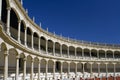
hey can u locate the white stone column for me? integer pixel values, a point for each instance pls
(0, 9)
(54, 64)
(68, 52)
(61, 50)
(98, 54)
(91, 72)
(83, 53)
(39, 48)
(17, 68)
(53, 48)
(76, 70)
(114, 65)
(32, 69)
(24, 69)
(83, 69)
(98, 64)
(32, 41)
(46, 66)
(8, 20)
(105, 55)
(61, 69)
(90, 54)
(75, 53)
(113, 55)
(5, 65)
(39, 62)
(68, 70)
(46, 46)
(106, 66)
(25, 41)
(19, 28)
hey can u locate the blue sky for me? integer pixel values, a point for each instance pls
(89, 20)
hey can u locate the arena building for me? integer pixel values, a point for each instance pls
(27, 52)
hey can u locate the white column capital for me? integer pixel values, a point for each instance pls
(98, 63)
(83, 62)
(76, 62)
(106, 63)
(91, 63)
(61, 62)
(32, 60)
(68, 62)
(19, 21)
(114, 63)
(17, 57)
(8, 8)
(6, 53)
(54, 61)
(25, 59)
(46, 59)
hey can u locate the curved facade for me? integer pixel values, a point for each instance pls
(28, 52)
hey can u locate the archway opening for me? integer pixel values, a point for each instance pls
(36, 41)
(43, 44)
(57, 48)
(29, 38)
(14, 24)
(22, 32)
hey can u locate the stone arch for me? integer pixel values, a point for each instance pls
(109, 54)
(57, 47)
(3, 47)
(13, 53)
(117, 54)
(36, 41)
(14, 19)
(72, 67)
(50, 47)
(22, 31)
(28, 63)
(29, 37)
(21, 61)
(58, 66)
(50, 66)
(36, 61)
(94, 53)
(72, 51)
(43, 43)
(101, 53)
(64, 50)
(79, 67)
(79, 52)
(86, 52)
(43, 65)
(65, 67)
